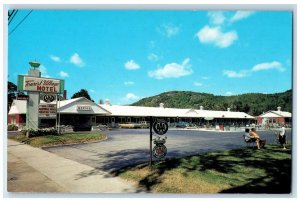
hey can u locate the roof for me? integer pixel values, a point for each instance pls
(70, 107)
(117, 110)
(18, 107)
(65, 106)
(276, 114)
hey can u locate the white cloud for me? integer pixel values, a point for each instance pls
(172, 70)
(216, 17)
(256, 68)
(43, 71)
(234, 74)
(229, 93)
(128, 83)
(205, 77)
(131, 97)
(153, 57)
(92, 91)
(169, 30)
(131, 65)
(63, 74)
(76, 60)
(214, 35)
(267, 66)
(239, 15)
(197, 83)
(55, 58)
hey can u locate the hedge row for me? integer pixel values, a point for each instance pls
(12, 127)
(39, 132)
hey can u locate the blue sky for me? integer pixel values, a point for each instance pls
(124, 56)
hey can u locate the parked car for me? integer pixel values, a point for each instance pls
(82, 127)
(145, 124)
(181, 124)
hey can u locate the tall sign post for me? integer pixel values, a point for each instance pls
(32, 118)
(34, 84)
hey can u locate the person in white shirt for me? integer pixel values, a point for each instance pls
(282, 137)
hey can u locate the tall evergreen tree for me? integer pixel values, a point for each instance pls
(82, 93)
(12, 93)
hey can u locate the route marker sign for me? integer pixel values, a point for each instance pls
(160, 127)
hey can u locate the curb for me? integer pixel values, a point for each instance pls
(59, 145)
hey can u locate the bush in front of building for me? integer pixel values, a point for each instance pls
(12, 127)
(40, 132)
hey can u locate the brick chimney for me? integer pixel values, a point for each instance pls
(65, 94)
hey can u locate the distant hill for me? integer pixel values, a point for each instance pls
(252, 103)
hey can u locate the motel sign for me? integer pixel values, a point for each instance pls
(39, 84)
(35, 85)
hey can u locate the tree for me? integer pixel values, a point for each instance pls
(82, 93)
(12, 93)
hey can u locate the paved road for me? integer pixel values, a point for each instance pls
(131, 146)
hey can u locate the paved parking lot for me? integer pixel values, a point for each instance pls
(131, 146)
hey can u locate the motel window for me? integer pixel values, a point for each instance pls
(128, 119)
(112, 119)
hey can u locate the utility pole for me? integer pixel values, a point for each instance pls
(151, 125)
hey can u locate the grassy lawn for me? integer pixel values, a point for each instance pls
(62, 139)
(245, 170)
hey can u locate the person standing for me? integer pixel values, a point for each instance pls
(282, 137)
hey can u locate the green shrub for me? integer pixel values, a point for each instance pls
(40, 132)
(12, 127)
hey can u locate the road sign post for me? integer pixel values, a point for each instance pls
(160, 127)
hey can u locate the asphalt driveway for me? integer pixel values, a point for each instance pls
(131, 146)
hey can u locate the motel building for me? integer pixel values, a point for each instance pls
(83, 114)
(44, 108)
(271, 118)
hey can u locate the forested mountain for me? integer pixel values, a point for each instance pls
(252, 103)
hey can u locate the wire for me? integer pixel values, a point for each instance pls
(19, 23)
(10, 14)
(12, 17)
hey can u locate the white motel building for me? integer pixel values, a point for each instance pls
(83, 114)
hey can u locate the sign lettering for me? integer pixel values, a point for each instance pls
(84, 108)
(38, 84)
(47, 110)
